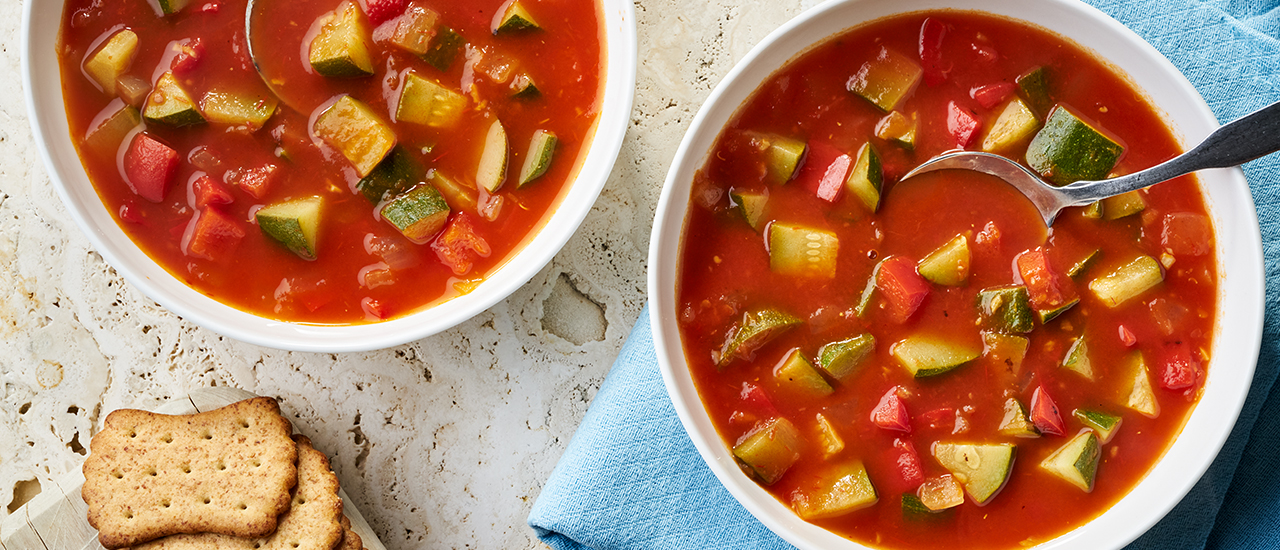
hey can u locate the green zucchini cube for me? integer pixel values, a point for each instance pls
(294, 223)
(844, 489)
(416, 29)
(491, 172)
(1077, 269)
(444, 49)
(418, 213)
(342, 46)
(898, 128)
(170, 7)
(1076, 462)
(542, 147)
(1105, 425)
(112, 59)
(1137, 393)
(107, 136)
(238, 109)
(1077, 359)
(1123, 205)
(354, 130)
(841, 359)
(1006, 349)
(523, 87)
(925, 356)
(1068, 149)
(797, 374)
(171, 105)
(427, 102)
(1014, 124)
(867, 177)
(394, 175)
(886, 79)
(768, 451)
(751, 204)
(981, 468)
(1128, 281)
(948, 265)
(1034, 87)
(515, 18)
(828, 438)
(1005, 309)
(1016, 423)
(802, 251)
(781, 155)
(758, 327)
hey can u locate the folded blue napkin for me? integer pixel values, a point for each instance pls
(631, 479)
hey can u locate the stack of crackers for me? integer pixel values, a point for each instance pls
(231, 478)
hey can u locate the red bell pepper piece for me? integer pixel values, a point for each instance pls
(149, 166)
(902, 287)
(187, 56)
(129, 212)
(990, 95)
(824, 171)
(374, 309)
(935, 69)
(908, 463)
(382, 10)
(1179, 368)
(1048, 289)
(757, 402)
(458, 246)
(1044, 413)
(1127, 337)
(939, 418)
(961, 124)
(891, 413)
(256, 181)
(205, 191)
(212, 235)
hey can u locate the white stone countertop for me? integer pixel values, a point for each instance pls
(442, 443)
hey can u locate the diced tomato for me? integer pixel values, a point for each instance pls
(1169, 314)
(908, 462)
(205, 191)
(149, 166)
(188, 56)
(824, 171)
(212, 235)
(210, 8)
(939, 418)
(382, 10)
(1127, 337)
(374, 309)
(902, 287)
(458, 246)
(931, 34)
(757, 402)
(992, 94)
(254, 181)
(891, 413)
(1048, 288)
(1187, 234)
(1179, 368)
(1044, 414)
(961, 124)
(130, 212)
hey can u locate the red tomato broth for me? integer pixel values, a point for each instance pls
(725, 271)
(260, 275)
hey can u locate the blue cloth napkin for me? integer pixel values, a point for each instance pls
(631, 479)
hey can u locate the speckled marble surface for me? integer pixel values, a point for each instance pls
(442, 443)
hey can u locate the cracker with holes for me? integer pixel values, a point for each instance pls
(227, 471)
(313, 522)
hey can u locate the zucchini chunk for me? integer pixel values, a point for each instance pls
(1077, 461)
(295, 223)
(1123, 205)
(757, 328)
(828, 437)
(351, 127)
(867, 177)
(542, 147)
(395, 174)
(1077, 359)
(948, 265)
(459, 195)
(523, 87)
(1005, 309)
(112, 60)
(170, 7)
(886, 79)
(342, 46)
(768, 451)
(940, 493)
(842, 358)
(802, 251)
(845, 489)
(233, 109)
(1016, 423)
(1068, 149)
(110, 133)
(1034, 87)
(491, 173)
(898, 128)
(1015, 123)
(981, 468)
(1105, 425)
(419, 213)
(1077, 269)
(925, 356)
(1138, 394)
(798, 375)
(169, 104)
(751, 204)
(1007, 349)
(426, 102)
(1128, 281)
(1092, 210)
(421, 32)
(868, 291)
(781, 155)
(914, 508)
(515, 18)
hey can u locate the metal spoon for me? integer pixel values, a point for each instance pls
(1242, 140)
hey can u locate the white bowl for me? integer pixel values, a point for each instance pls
(41, 19)
(1239, 250)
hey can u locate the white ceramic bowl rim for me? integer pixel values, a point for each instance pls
(49, 125)
(1238, 240)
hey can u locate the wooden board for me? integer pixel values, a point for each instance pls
(57, 518)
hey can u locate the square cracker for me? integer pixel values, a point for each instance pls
(226, 471)
(313, 522)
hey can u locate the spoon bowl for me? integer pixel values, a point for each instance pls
(1249, 137)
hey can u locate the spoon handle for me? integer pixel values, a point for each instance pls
(1254, 135)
